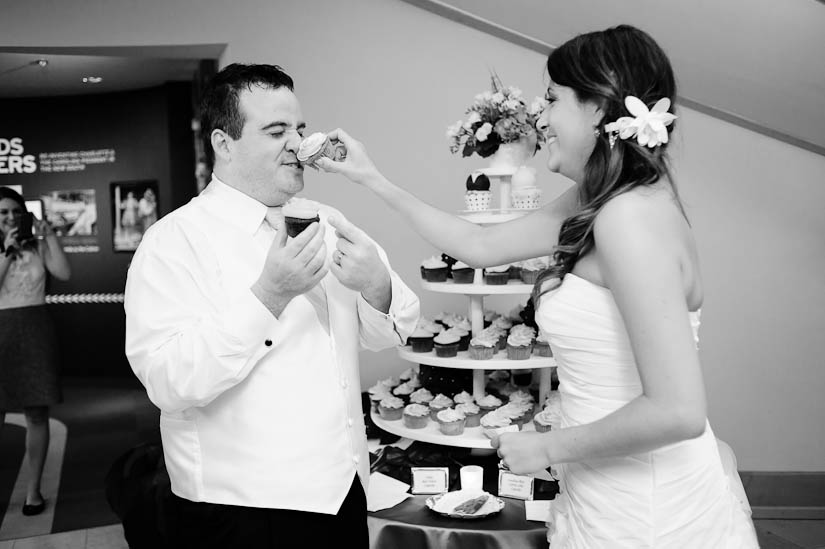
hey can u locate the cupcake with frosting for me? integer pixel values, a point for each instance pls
(483, 346)
(416, 416)
(497, 275)
(521, 397)
(542, 347)
(462, 273)
(526, 198)
(390, 408)
(451, 320)
(519, 346)
(318, 145)
(421, 396)
(472, 414)
(463, 397)
(299, 214)
(487, 404)
(407, 374)
(446, 344)
(430, 325)
(463, 337)
(489, 316)
(519, 414)
(434, 270)
(450, 422)
(532, 268)
(494, 420)
(403, 391)
(544, 420)
(421, 341)
(438, 403)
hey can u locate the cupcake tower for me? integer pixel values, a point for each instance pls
(483, 342)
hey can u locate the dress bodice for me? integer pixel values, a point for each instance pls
(676, 496)
(597, 368)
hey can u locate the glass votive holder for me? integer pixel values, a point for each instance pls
(472, 478)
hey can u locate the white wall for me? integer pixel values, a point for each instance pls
(395, 76)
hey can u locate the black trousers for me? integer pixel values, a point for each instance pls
(196, 525)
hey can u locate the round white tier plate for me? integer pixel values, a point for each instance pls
(473, 437)
(488, 217)
(513, 287)
(463, 361)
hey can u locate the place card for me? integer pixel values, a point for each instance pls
(515, 486)
(430, 480)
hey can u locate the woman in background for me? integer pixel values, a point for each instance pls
(29, 361)
(639, 465)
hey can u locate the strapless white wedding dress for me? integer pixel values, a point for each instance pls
(678, 496)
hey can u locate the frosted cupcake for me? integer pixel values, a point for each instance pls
(463, 397)
(488, 403)
(463, 337)
(542, 347)
(404, 391)
(543, 421)
(434, 270)
(450, 422)
(497, 275)
(439, 403)
(489, 316)
(416, 416)
(532, 268)
(407, 374)
(483, 346)
(446, 344)
(421, 396)
(421, 341)
(526, 198)
(522, 397)
(430, 325)
(298, 215)
(462, 273)
(390, 408)
(317, 145)
(494, 420)
(472, 414)
(519, 346)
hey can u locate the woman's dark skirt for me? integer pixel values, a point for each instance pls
(29, 358)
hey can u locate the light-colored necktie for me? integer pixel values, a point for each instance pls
(317, 295)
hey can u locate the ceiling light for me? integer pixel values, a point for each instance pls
(92, 79)
(41, 62)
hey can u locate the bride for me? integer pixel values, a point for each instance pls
(638, 462)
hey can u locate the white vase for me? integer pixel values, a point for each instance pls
(511, 156)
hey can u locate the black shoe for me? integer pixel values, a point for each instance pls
(31, 509)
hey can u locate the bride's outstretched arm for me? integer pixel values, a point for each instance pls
(529, 236)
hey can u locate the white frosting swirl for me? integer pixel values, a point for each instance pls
(391, 402)
(433, 263)
(449, 415)
(416, 410)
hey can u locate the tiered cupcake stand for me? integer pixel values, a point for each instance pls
(473, 437)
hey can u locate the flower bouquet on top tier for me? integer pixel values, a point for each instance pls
(496, 117)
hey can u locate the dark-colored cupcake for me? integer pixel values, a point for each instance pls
(434, 270)
(463, 273)
(299, 216)
(421, 341)
(446, 344)
(497, 276)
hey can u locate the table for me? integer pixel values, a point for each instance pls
(411, 525)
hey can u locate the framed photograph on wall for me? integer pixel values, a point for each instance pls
(134, 209)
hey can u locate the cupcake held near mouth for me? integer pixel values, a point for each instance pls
(318, 145)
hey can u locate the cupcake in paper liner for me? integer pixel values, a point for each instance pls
(298, 215)
(477, 201)
(317, 145)
(526, 198)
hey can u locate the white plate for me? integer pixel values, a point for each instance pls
(492, 506)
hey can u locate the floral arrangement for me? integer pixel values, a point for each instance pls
(498, 116)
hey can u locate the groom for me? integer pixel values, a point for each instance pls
(248, 341)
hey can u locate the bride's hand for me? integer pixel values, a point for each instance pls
(357, 166)
(522, 452)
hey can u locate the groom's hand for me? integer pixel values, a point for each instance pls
(357, 265)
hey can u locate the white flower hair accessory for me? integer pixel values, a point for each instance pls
(649, 126)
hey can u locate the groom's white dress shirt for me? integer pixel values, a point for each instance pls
(256, 411)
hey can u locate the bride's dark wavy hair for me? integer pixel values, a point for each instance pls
(605, 67)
